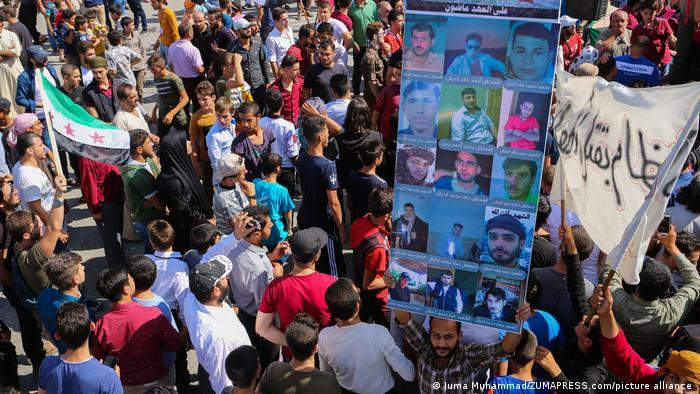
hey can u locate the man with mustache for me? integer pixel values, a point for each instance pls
(494, 306)
(420, 101)
(505, 237)
(445, 295)
(471, 123)
(409, 231)
(519, 176)
(420, 56)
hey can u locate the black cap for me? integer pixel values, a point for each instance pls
(307, 243)
(206, 275)
(5, 104)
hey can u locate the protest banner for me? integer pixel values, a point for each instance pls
(78, 132)
(621, 152)
(475, 102)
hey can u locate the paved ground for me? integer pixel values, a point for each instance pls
(84, 239)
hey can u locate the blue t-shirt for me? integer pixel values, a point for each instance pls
(86, 377)
(277, 199)
(317, 175)
(630, 70)
(158, 302)
(226, 19)
(47, 307)
(515, 386)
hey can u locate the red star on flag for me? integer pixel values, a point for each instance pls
(51, 115)
(96, 138)
(69, 130)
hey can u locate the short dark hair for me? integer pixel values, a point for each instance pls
(370, 151)
(61, 268)
(654, 280)
(510, 162)
(343, 3)
(161, 234)
(277, 13)
(526, 348)
(242, 365)
(496, 292)
(24, 142)
(302, 336)
(81, 20)
(73, 324)
(156, 60)
(687, 242)
(84, 46)
(327, 44)
(205, 88)
(137, 138)
(423, 26)
(584, 243)
(67, 69)
(535, 30)
(288, 61)
(143, 270)
(467, 91)
(202, 237)
(249, 107)
(607, 67)
(19, 223)
(381, 201)
(393, 15)
(10, 11)
(544, 209)
(125, 21)
(324, 27)
(473, 37)
(67, 13)
(342, 298)
(312, 126)
(306, 30)
(273, 99)
(258, 212)
(641, 42)
(111, 282)
(340, 84)
(408, 204)
(124, 90)
(458, 324)
(269, 163)
(688, 195)
(184, 30)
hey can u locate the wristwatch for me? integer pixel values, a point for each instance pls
(58, 203)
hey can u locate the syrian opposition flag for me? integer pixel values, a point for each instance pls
(78, 132)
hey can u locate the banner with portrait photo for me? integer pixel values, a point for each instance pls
(476, 90)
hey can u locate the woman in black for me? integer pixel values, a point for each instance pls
(180, 189)
(356, 130)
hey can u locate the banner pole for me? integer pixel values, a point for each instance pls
(49, 126)
(606, 283)
(562, 202)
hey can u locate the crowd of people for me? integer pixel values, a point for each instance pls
(264, 157)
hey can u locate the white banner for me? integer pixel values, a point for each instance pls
(621, 152)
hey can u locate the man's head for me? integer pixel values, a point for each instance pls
(115, 284)
(397, 5)
(326, 53)
(128, 97)
(467, 167)
(505, 237)
(281, 18)
(444, 336)
(469, 99)
(199, 21)
(290, 68)
(422, 38)
(396, 21)
(375, 32)
(86, 52)
(98, 66)
(206, 95)
(185, 32)
(140, 144)
(340, 85)
(472, 45)
(127, 24)
(37, 56)
(223, 107)
(654, 280)
(446, 278)
(639, 46)
(115, 38)
(70, 75)
(161, 235)
(204, 236)
(495, 300)
(343, 299)
(215, 18)
(9, 196)
(261, 223)
(142, 270)
(372, 153)
(525, 350)
(209, 280)
(532, 51)
(544, 209)
(270, 163)
(65, 270)
(457, 229)
(156, 4)
(324, 11)
(519, 176)
(24, 227)
(381, 203)
(307, 35)
(156, 63)
(306, 246)
(315, 131)
(416, 163)
(619, 20)
(383, 10)
(409, 211)
(10, 12)
(73, 325)
(302, 336)
(584, 243)
(30, 145)
(343, 4)
(689, 245)
(243, 28)
(421, 102)
(404, 278)
(248, 115)
(649, 8)
(230, 169)
(243, 366)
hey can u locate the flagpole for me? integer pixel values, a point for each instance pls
(606, 283)
(49, 126)
(562, 202)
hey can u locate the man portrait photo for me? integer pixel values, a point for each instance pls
(474, 62)
(471, 123)
(413, 165)
(522, 130)
(400, 291)
(420, 104)
(495, 306)
(421, 55)
(532, 51)
(519, 176)
(464, 176)
(450, 244)
(409, 231)
(505, 239)
(444, 295)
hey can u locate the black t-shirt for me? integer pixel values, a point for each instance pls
(544, 254)
(359, 187)
(317, 175)
(318, 79)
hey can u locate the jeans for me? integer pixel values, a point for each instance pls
(30, 329)
(163, 50)
(143, 232)
(110, 228)
(139, 13)
(357, 70)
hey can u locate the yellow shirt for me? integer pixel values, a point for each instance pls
(100, 31)
(168, 26)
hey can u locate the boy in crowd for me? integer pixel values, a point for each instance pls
(276, 198)
(132, 39)
(222, 133)
(360, 183)
(243, 370)
(286, 139)
(200, 125)
(120, 60)
(172, 97)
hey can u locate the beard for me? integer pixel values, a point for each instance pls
(509, 259)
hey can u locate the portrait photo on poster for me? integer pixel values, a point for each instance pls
(455, 230)
(507, 238)
(532, 50)
(515, 179)
(415, 165)
(537, 9)
(524, 126)
(409, 230)
(424, 44)
(497, 298)
(409, 279)
(450, 289)
(469, 114)
(476, 47)
(463, 172)
(418, 114)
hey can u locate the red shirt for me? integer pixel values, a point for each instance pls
(631, 18)
(291, 100)
(387, 105)
(626, 364)
(299, 53)
(571, 48)
(394, 41)
(375, 259)
(658, 51)
(138, 335)
(343, 18)
(292, 294)
(99, 182)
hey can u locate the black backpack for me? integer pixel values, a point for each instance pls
(20, 286)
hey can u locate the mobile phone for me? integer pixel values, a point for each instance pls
(665, 225)
(110, 361)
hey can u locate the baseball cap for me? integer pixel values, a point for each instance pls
(587, 70)
(230, 164)
(206, 275)
(506, 222)
(307, 243)
(38, 53)
(567, 21)
(5, 104)
(240, 23)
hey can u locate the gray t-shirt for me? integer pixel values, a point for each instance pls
(227, 204)
(280, 378)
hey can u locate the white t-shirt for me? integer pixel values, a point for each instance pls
(277, 44)
(339, 29)
(286, 141)
(130, 120)
(33, 185)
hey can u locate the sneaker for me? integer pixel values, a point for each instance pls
(144, 30)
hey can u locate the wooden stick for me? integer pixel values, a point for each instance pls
(49, 126)
(592, 311)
